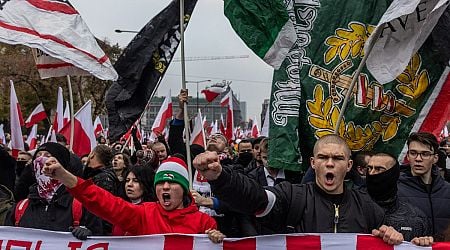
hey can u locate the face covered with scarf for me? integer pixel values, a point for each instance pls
(382, 177)
(47, 186)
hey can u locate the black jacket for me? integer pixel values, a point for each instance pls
(259, 176)
(433, 201)
(306, 207)
(56, 215)
(406, 219)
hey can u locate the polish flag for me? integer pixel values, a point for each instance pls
(255, 129)
(198, 133)
(165, 113)
(58, 121)
(227, 100)
(36, 116)
(83, 131)
(212, 92)
(214, 128)
(2, 135)
(32, 137)
(66, 116)
(16, 123)
(98, 128)
(222, 127)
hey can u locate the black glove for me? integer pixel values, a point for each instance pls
(81, 232)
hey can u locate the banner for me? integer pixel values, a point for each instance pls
(142, 65)
(36, 239)
(309, 88)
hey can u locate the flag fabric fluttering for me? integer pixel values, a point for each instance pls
(222, 126)
(142, 65)
(84, 138)
(165, 113)
(255, 129)
(66, 116)
(57, 29)
(38, 114)
(392, 52)
(213, 92)
(59, 114)
(214, 128)
(32, 137)
(198, 133)
(264, 26)
(2, 135)
(227, 100)
(16, 123)
(98, 127)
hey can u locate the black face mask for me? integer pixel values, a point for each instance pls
(383, 187)
(245, 158)
(20, 165)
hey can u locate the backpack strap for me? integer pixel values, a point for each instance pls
(20, 210)
(77, 211)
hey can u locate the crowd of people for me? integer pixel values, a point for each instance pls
(234, 192)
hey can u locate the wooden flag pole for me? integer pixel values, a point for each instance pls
(377, 34)
(183, 86)
(72, 121)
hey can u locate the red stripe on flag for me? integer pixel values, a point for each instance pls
(249, 243)
(311, 242)
(439, 112)
(53, 6)
(53, 65)
(441, 246)
(51, 38)
(178, 242)
(367, 242)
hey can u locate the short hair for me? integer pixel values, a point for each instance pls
(104, 154)
(126, 158)
(425, 138)
(332, 139)
(382, 154)
(264, 145)
(25, 153)
(258, 140)
(359, 158)
(244, 141)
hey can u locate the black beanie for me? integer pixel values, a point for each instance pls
(58, 151)
(383, 187)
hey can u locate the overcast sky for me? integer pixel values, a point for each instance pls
(208, 34)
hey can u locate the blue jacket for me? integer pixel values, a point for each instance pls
(434, 202)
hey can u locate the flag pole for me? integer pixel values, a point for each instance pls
(72, 122)
(377, 34)
(183, 86)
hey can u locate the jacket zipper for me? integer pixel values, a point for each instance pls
(336, 217)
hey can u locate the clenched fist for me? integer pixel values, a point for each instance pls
(208, 165)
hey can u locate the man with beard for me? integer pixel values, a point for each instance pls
(423, 186)
(321, 207)
(382, 176)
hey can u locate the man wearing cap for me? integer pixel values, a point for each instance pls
(174, 212)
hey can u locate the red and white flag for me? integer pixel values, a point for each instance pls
(98, 127)
(49, 66)
(16, 123)
(222, 126)
(165, 113)
(198, 133)
(84, 138)
(36, 116)
(214, 128)
(2, 135)
(32, 137)
(57, 29)
(255, 129)
(59, 115)
(227, 100)
(66, 116)
(213, 92)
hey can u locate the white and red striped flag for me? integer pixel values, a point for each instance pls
(227, 100)
(98, 127)
(16, 123)
(84, 138)
(2, 135)
(255, 129)
(214, 128)
(36, 116)
(59, 114)
(165, 113)
(198, 133)
(66, 116)
(213, 92)
(222, 126)
(57, 29)
(32, 137)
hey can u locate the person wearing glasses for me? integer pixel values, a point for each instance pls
(423, 186)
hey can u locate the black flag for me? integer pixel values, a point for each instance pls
(142, 65)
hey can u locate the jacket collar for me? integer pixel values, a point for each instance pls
(61, 197)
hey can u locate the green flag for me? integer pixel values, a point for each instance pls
(309, 87)
(264, 26)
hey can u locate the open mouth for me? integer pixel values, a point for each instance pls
(166, 199)
(329, 177)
